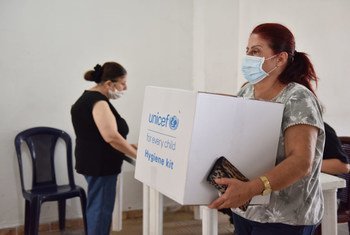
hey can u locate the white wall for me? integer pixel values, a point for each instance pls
(321, 29)
(215, 41)
(46, 46)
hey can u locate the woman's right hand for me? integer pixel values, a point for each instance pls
(237, 193)
(134, 145)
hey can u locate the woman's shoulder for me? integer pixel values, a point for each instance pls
(247, 89)
(296, 92)
(301, 107)
(296, 88)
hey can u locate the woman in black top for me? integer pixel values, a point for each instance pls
(335, 161)
(101, 142)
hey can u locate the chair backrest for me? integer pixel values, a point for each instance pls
(345, 194)
(41, 142)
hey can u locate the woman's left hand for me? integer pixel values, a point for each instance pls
(236, 194)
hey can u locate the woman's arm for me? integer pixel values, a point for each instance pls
(107, 126)
(334, 166)
(300, 143)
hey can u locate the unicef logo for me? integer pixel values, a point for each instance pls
(173, 123)
(164, 121)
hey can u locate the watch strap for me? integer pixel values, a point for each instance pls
(267, 186)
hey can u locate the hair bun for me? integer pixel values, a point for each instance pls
(97, 73)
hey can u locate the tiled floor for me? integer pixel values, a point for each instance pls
(177, 223)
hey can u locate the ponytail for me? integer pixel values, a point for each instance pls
(299, 70)
(94, 75)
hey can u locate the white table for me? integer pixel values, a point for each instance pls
(153, 209)
(330, 184)
(117, 220)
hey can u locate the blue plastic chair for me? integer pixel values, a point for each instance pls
(41, 142)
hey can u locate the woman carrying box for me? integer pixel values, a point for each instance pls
(276, 72)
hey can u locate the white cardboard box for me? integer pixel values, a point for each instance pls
(183, 132)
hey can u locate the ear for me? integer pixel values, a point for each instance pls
(282, 59)
(108, 83)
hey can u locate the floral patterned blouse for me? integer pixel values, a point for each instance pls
(302, 202)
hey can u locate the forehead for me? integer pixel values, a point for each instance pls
(256, 41)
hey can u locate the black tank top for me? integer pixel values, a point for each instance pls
(93, 155)
(332, 147)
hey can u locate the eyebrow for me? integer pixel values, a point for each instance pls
(254, 47)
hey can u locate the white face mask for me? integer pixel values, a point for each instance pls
(115, 94)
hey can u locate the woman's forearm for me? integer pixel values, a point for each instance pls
(119, 143)
(334, 166)
(300, 142)
(288, 172)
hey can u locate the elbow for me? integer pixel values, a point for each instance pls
(307, 172)
(306, 169)
(346, 168)
(113, 140)
(108, 139)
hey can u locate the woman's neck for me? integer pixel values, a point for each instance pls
(268, 89)
(101, 89)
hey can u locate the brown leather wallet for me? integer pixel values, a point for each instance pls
(224, 169)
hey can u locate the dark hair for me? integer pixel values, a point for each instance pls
(299, 67)
(109, 71)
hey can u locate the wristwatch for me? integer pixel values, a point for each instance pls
(267, 187)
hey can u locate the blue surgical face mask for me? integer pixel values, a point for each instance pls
(252, 68)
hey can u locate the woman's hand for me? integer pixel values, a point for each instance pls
(134, 146)
(237, 193)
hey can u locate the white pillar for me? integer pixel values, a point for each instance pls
(117, 220)
(329, 220)
(156, 215)
(146, 210)
(210, 221)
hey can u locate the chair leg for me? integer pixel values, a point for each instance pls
(34, 217)
(83, 209)
(27, 217)
(62, 213)
(318, 230)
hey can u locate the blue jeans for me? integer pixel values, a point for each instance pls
(248, 227)
(100, 203)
